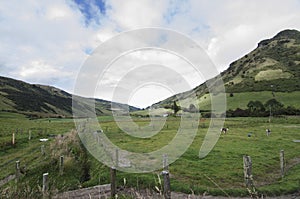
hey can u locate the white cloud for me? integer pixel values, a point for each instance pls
(38, 70)
(158, 66)
(43, 40)
(132, 14)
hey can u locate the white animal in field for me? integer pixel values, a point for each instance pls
(224, 130)
(268, 132)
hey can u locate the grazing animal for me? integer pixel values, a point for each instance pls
(224, 130)
(268, 131)
(100, 131)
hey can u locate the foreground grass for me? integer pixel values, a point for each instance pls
(220, 173)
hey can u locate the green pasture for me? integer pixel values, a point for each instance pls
(220, 173)
(235, 100)
(240, 100)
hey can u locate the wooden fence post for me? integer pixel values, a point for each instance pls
(113, 181)
(61, 164)
(17, 170)
(29, 134)
(166, 176)
(282, 165)
(248, 170)
(13, 139)
(167, 187)
(45, 183)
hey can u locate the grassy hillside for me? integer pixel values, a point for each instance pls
(274, 62)
(234, 101)
(274, 66)
(42, 101)
(240, 100)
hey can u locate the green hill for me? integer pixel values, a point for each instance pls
(272, 70)
(273, 66)
(42, 101)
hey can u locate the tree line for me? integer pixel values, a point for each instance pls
(258, 109)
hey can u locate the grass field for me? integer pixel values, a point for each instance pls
(240, 100)
(220, 173)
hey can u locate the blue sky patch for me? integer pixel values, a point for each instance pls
(91, 9)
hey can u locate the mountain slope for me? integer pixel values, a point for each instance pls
(40, 100)
(273, 66)
(274, 62)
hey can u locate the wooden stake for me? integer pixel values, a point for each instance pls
(165, 173)
(13, 139)
(17, 170)
(61, 164)
(167, 186)
(113, 182)
(282, 165)
(29, 134)
(247, 170)
(45, 183)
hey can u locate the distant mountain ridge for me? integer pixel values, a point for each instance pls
(273, 66)
(42, 101)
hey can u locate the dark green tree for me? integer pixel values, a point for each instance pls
(255, 106)
(274, 105)
(250, 106)
(176, 108)
(259, 106)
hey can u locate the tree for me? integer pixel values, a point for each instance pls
(176, 108)
(259, 106)
(255, 106)
(250, 106)
(274, 105)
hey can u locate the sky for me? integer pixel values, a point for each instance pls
(48, 42)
